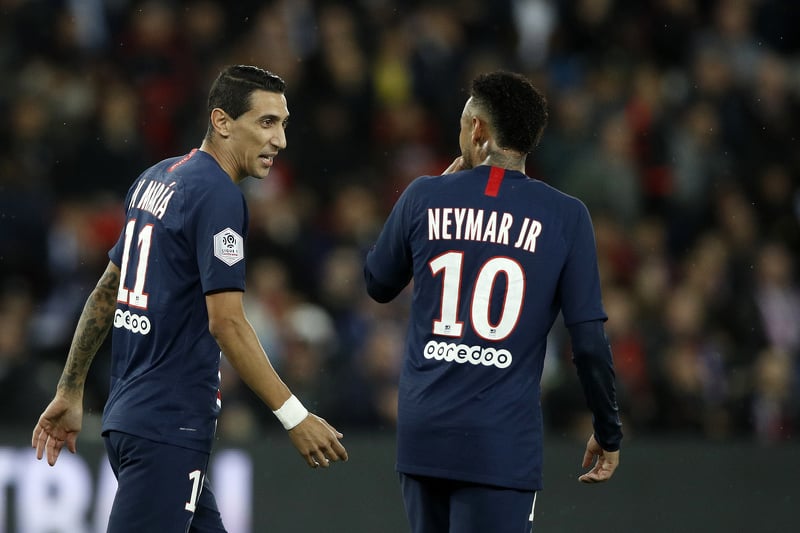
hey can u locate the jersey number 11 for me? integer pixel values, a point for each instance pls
(135, 297)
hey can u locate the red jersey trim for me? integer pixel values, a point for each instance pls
(495, 179)
(182, 161)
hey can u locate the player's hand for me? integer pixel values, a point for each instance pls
(317, 441)
(58, 425)
(605, 464)
(455, 166)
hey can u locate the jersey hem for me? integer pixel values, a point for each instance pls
(195, 446)
(468, 477)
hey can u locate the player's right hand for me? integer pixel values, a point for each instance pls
(58, 425)
(455, 166)
(317, 441)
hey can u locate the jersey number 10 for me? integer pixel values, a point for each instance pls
(450, 265)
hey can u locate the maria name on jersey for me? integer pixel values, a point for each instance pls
(470, 224)
(154, 199)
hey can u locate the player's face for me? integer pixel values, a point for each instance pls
(259, 134)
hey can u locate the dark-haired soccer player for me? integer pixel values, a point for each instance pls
(495, 256)
(173, 293)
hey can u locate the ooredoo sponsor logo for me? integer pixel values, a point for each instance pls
(132, 322)
(462, 353)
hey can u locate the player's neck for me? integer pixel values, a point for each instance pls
(219, 156)
(507, 159)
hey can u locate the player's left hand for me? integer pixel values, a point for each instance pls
(605, 464)
(318, 442)
(58, 425)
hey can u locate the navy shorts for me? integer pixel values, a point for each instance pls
(435, 505)
(160, 488)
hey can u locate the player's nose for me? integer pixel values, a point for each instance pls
(279, 139)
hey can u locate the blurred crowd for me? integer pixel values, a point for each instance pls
(675, 121)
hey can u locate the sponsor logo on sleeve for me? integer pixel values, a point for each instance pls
(228, 247)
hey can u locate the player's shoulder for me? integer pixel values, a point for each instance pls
(199, 174)
(470, 180)
(557, 194)
(427, 183)
(556, 197)
(198, 181)
(418, 189)
(197, 164)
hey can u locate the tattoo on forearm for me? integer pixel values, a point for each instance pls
(93, 326)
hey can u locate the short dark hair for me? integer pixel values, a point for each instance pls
(517, 110)
(232, 89)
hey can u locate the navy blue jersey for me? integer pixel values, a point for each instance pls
(494, 256)
(184, 233)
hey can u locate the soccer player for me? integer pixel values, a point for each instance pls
(494, 256)
(173, 293)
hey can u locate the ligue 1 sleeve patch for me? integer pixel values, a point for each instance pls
(228, 247)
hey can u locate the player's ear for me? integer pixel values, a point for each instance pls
(478, 131)
(220, 121)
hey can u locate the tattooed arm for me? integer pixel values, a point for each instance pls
(61, 421)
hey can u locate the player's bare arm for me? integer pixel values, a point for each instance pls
(61, 421)
(315, 439)
(93, 326)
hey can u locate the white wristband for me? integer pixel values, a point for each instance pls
(291, 412)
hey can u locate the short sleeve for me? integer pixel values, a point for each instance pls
(220, 230)
(115, 253)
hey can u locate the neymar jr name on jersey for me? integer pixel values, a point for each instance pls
(470, 224)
